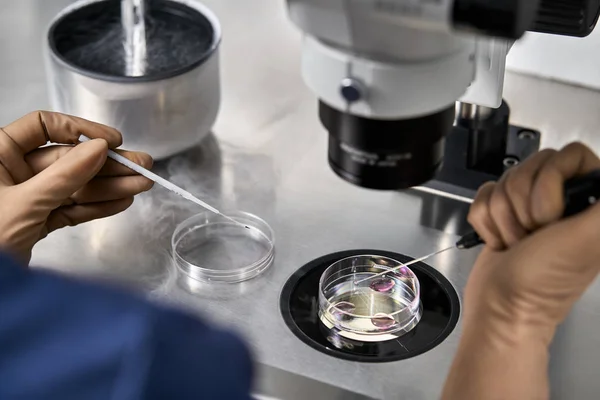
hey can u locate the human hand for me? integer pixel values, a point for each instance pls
(535, 265)
(46, 188)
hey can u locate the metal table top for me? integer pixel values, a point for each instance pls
(268, 156)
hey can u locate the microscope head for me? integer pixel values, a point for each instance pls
(389, 72)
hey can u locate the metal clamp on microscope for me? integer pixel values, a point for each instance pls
(411, 90)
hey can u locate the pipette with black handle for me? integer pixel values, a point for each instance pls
(579, 194)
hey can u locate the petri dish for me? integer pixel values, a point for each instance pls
(378, 309)
(209, 248)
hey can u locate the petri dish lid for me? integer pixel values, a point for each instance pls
(209, 248)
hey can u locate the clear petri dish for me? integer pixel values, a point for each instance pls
(210, 248)
(378, 309)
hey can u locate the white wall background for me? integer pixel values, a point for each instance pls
(566, 59)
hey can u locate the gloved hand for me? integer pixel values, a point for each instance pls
(533, 268)
(535, 265)
(46, 188)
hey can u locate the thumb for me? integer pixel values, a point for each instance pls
(68, 174)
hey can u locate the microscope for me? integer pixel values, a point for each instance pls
(410, 91)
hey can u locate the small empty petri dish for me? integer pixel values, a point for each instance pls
(210, 248)
(378, 309)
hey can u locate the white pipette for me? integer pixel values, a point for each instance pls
(163, 182)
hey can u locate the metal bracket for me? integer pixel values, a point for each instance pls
(456, 180)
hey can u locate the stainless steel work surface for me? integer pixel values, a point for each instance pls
(268, 156)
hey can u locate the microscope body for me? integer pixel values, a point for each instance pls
(397, 69)
(389, 74)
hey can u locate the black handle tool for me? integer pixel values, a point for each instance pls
(580, 193)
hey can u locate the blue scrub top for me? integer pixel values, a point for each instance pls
(63, 339)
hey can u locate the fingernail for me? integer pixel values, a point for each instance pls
(96, 141)
(97, 146)
(149, 184)
(146, 160)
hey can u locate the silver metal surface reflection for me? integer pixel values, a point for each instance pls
(268, 157)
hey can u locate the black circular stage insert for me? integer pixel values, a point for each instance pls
(300, 309)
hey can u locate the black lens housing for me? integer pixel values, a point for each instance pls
(386, 154)
(576, 18)
(498, 18)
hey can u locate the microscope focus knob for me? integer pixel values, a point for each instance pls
(508, 19)
(566, 17)
(352, 90)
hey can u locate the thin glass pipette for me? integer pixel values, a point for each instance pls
(467, 241)
(163, 182)
(404, 265)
